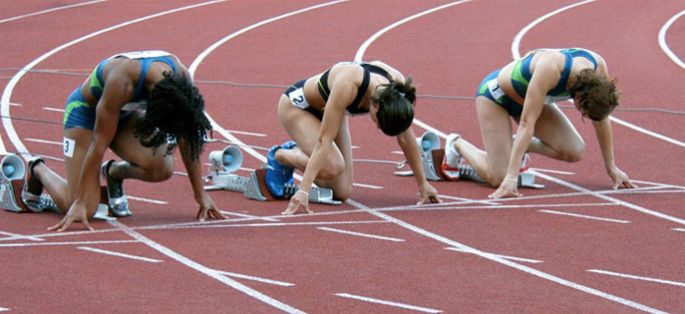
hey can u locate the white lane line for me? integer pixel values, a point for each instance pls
(49, 10)
(53, 109)
(584, 216)
(362, 49)
(506, 262)
(662, 40)
(146, 200)
(14, 236)
(247, 133)
(4, 309)
(513, 258)
(611, 199)
(679, 229)
(14, 104)
(258, 279)
(648, 132)
(37, 140)
(112, 253)
(205, 270)
(659, 184)
(389, 303)
(272, 224)
(566, 173)
(359, 234)
(241, 215)
(65, 243)
(610, 273)
(9, 88)
(368, 186)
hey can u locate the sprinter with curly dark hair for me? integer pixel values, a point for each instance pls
(141, 105)
(314, 113)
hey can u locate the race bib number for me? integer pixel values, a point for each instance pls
(495, 89)
(297, 98)
(69, 146)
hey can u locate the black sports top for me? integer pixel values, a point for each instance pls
(353, 108)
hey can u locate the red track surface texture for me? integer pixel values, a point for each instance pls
(468, 255)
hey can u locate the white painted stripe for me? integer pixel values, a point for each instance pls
(659, 184)
(247, 133)
(112, 253)
(65, 243)
(53, 109)
(4, 309)
(273, 224)
(506, 262)
(205, 270)
(648, 132)
(146, 200)
(389, 303)
(566, 173)
(584, 216)
(513, 258)
(37, 140)
(679, 229)
(662, 40)
(248, 216)
(258, 279)
(613, 200)
(14, 236)
(462, 200)
(14, 104)
(668, 282)
(368, 186)
(49, 10)
(7, 93)
(362, 49)
(359, 234)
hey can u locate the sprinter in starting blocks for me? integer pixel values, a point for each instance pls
(224, 162)
(437, 169)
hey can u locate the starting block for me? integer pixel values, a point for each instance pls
(431, 160)
(228, 160)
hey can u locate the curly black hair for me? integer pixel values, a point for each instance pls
(175, 111)
(396, 106)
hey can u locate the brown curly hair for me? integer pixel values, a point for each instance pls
(595, 94)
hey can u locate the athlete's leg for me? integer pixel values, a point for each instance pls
(342, 183)
(495, 128)
(139, 162)
(556, 137)
(303, 128)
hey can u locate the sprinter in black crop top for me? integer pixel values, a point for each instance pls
(314, 113)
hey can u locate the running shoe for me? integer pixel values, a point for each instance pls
(277, 174)
(33, 188)
(118, 203)
(450, 164)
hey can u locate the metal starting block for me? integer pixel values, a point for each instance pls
(223, 163)
(432, 156)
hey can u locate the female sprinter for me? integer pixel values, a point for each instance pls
(314, 113)
(168, 110)
(527, 90)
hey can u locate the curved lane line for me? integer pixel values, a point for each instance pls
(486, 255)
(515, 52)
(14, 18)
(7, 93)
(664, 45)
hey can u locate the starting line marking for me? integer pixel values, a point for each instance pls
(359, 234)
(390, 303)
(253, 278)
(668, 282)
(513, 258)
(583, 216)
(112, 253)
(66, 243)
(14, 236)
(241, 215)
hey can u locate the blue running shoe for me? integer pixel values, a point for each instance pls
(277, 174)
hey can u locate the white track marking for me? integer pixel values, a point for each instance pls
(247, 133)
(362, 49)
(506, 262)
(359, 234)
(679, 229)
(367, 186)
(515, 51)
(112, 253)
(566, 173)
(278, 224)
(241, 215)
(258, 279)
(9, 88)
(614, 200)
(65, 243)
(205, 270)
(584, 216)
(668, 282)
(389, 303)
(14, 236)
(4, 309)
(48, 142)
(662, 40)
(513, 258)
(146, 200)
(53, 109)
(49, 10)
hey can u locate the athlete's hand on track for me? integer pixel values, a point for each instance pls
(208, 209)
(620, 178)
(428, 193)
(300, 199)
(75, 213)
(508, 188)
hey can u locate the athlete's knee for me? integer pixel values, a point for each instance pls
(342, 193)
(332, 169)
(573, 154)
(160, 170)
